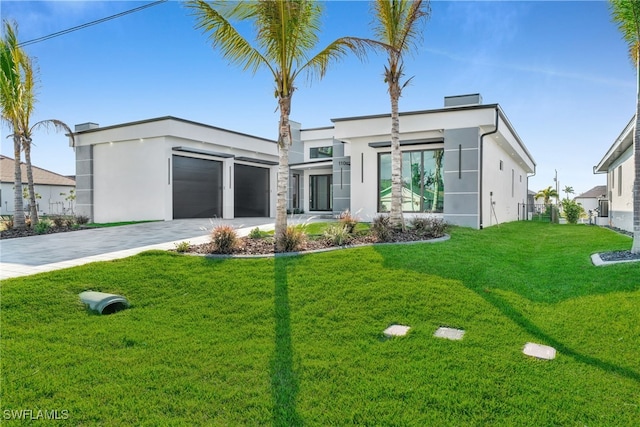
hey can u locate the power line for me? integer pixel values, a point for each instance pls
(89, 24)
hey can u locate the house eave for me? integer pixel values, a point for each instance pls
(621, 144)
(168, 118)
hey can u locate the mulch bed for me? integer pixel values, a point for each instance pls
(266, 246)
(12, 234)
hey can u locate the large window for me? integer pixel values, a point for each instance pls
(321, 152)
(320, 193)
(422, 184)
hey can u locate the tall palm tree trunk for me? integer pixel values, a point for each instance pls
(395, 214)
(18, 207)
(436, 186)
(33, 211)
(284, 143)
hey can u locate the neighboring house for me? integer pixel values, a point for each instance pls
(618, 164)
(54, 189)
(594, 200)
(463, 162)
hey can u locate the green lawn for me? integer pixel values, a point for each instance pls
(298, 340)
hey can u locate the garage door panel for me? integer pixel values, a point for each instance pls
(251, 194)
(197, 188)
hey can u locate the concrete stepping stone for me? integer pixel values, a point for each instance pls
(449, 333)
(396, 331)
(540, 351)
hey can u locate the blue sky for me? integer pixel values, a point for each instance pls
(559, 70)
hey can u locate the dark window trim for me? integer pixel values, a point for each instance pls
(205, 152)
(387, 144)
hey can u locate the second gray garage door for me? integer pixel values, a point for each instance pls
(251, 195)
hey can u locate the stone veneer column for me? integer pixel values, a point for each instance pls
(84, 181)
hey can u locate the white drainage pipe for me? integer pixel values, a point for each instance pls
(104, 303)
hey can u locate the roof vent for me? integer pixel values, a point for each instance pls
(461, 100)
(86, 126)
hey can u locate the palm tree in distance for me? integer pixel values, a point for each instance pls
(626, 14)
(14, 93)
(27, 138)
(546, 194)
(286, 36)
(398, 30)
(568, 190)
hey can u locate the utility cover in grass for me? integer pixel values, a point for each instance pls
(396, 331)
(540, 351)
(449, 333)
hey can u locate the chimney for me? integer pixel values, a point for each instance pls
(462, 100)
(86, 126)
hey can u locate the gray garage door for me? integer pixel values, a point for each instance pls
(197, 188)
(251, 195)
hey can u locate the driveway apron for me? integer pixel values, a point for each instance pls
(34, 254)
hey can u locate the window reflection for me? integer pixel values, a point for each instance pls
(422, 183)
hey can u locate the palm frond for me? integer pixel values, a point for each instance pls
(317, 66)
(626, 14)
(223, 36)
(399, 22)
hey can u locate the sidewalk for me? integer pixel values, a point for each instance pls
(37, 254)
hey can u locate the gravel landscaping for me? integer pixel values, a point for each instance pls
(619, 256)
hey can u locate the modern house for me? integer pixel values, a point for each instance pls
(463, 162)
(618, 164)
(55, 191)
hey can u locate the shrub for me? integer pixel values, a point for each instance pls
(59, 221)
(572, 210)
(438, 227)
(255, 233)
(70, 221)
(292, 240)
(348, 220)
(381, 228)
(429, 226)
(421, 224)
(337, 234)
(182, 246)
(7, 223)
(81, 219)
(43, 226)
(224, 239)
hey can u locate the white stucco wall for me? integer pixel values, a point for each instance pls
(621, 205)
(130, 180)
(509, 185)
(50, 203)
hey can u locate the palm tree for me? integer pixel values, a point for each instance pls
(21, 111)
(14, 94)
(546, 194)
(626, 13)
(286, 35)
(398, 29)
(27, 139)
(568, 190)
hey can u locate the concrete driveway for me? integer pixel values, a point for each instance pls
(36, 254)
